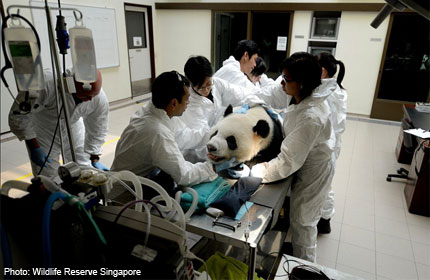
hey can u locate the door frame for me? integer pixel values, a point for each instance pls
(249, 26)
(150, 36)
(384, 108)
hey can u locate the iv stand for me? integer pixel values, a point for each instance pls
(55, 60)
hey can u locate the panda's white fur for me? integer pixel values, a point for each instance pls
(242, 128)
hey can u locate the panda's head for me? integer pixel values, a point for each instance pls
(240, 135)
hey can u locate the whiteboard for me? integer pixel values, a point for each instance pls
(100, 20)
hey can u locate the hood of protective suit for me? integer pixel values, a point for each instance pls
(231, 61)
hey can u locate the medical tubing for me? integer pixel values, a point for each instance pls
(158, 188)
(176, 206)
(129, 176)
(51, 186)
(191, 255)
(46, 235)
(193, 206)
(81, 207)
(14, 184)
(52, 142)
(148, 217)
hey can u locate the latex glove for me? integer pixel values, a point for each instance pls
(99, 165)
(243, 109)
(226, 164)
(258, 170)
(38, 156)
(236, 174)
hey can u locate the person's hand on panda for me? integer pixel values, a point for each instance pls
(226, 164)
(259, 170)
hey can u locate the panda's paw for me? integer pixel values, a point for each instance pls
(239, 171)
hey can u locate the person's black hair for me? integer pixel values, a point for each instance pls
(304, 69)
(245, 46)
(260, 67)
(168, 86)
(197, 69)
(330, 63)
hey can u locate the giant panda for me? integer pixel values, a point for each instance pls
(251, 136)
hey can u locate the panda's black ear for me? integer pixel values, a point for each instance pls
(228, 111)
(262, 128)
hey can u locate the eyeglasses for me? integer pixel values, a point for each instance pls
(206, 88)
(284, 78)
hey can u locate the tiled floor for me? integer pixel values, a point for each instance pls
(373, 235)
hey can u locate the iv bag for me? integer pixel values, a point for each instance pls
(23, 51)
(83, 55)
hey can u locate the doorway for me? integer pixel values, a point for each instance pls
(230, 28)
(140, 48)
(270, 30)
(405, 71)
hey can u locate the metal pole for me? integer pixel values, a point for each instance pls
(252, 258)
(54, 55)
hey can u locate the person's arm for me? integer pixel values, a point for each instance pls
(235, 95)
(96, 126)
(166, 156)
(189, 138)
(294, 151)
(273, 95)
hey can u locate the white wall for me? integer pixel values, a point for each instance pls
(116, 80)
(180, 34)
(360, 47)
(301, 26)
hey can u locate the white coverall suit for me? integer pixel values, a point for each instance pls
(148, 142)
(337, 102)
(269, 92)
(306, 151)
(89, 123)
(202, 114)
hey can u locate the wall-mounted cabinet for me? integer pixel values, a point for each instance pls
(324, 32)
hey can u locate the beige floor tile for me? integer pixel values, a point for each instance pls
(356, 257)
(423, 271)
(358, 237)
(394, 246)
(327, 248)
(393, 228)
(421, 253)
(355, 272)
(420, 234)
(390, 212)
(395, 267)
(359, 219)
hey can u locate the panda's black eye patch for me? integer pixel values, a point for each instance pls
(214, 134)
(231, 142)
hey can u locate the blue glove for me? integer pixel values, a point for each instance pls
(99, 165)
(38, 156)
(243, 109)
(226, 164)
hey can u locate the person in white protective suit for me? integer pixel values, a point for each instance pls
(237, 67)
(258, 74)
(88, 109)
(337, 102)
(306, 150)
(147, 146)
(209, 97)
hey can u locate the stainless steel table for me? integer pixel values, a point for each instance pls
(268, 200)
(259, 217)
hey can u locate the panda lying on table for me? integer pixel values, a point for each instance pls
(251, 137)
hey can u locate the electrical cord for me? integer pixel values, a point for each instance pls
(131, 204)
(52, 142)
(302, 266)
(46, 220)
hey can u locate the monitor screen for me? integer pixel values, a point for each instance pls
(325, 28)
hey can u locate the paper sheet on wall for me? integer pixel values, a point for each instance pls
(137, 41)
(281, 44)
